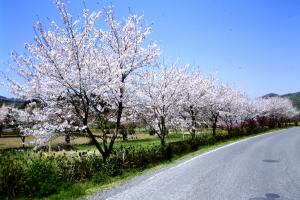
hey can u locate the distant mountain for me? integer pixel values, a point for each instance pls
(294, 97)
(12, 102)
(270, 95)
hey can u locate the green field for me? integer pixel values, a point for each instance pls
(82, 143)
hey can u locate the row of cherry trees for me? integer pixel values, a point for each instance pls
(174, 97)
(97, 69)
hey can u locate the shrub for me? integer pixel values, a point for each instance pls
(42, 178)
(12, 176)
(114, 166)
(101, 177)
(39, 175)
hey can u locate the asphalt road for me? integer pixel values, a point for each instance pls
(265, 167)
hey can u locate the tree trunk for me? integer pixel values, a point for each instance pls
(67, 138)
(229, 131)
(162, 141)
(163, 131)
(214, 128)
(118, 124)
(23, 138)
(124, 134)
(96, 143)
(193, 132)
(124, 137)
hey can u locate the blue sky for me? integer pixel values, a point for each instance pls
(253, 45)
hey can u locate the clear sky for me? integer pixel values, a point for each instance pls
(253, 45)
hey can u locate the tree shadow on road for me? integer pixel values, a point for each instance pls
(269, 196)
(271, 161)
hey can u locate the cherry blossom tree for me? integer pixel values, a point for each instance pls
(234, 106)
(124, 53)
(79, 73)
(192, 102)
(160, 90)
(218, 103)
(248, 113)
(277, 110)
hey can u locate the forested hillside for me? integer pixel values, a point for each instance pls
(294, 97)
(12, 102)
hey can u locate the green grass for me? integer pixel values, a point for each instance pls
(92, 186)
(147, 142)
